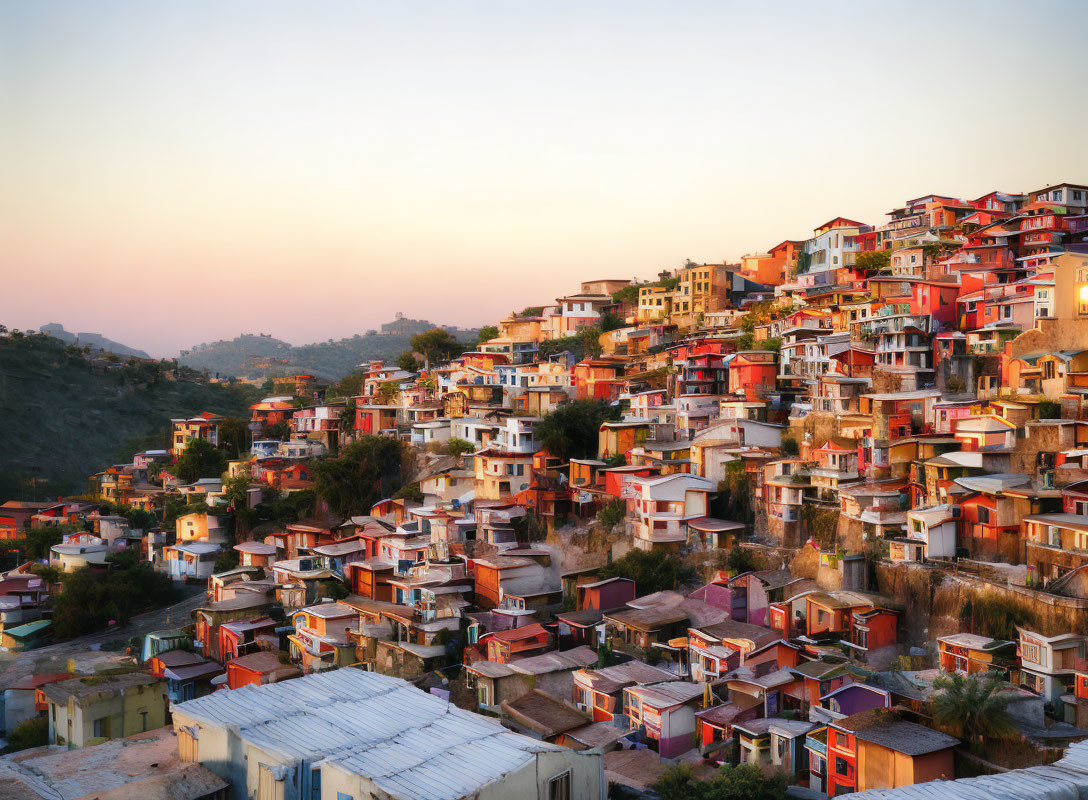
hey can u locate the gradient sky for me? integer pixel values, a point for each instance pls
(178, 172)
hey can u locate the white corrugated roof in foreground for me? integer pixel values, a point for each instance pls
(1066, 779)
(409, 743)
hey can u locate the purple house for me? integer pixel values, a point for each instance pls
(752, 593)
(853, 698)
(606, 595)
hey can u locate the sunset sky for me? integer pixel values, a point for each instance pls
(179, 172)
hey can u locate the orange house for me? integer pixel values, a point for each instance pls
(876, 750)
(752, 373)
(506, 646)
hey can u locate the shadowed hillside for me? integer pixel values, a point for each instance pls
(65, 415)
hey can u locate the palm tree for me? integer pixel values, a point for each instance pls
(972, 707)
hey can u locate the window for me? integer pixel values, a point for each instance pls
(841, 766)
(559, 787)
(983, 515)
(102, 727)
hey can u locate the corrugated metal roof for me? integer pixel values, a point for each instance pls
(410, 743)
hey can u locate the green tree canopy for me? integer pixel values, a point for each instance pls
(408, 362)
(742, 782)
(90, 600)
(435, 345)
(873, 260)
(234, 436)
(971, 707)
(200, 459)
(487, 332)
(572, 429)
(651, 570)
(368, 470)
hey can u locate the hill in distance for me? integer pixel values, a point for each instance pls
(95, 341)
(263, 356)
(65, 416)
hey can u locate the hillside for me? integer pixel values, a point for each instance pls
(64, 417)
(260, 356)
(95, 341)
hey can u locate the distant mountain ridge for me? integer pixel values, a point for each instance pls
(263, 356)
(95, 340)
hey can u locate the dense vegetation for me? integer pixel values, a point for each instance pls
(573, 429)
(91, 600)
(651, 570)
(64, 416)
(742, 782)
(368, 470)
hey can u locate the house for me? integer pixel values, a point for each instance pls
(320, 733)
(776, 743)
(320, 640)
(714, 650)
(86, 711)
(659, 508)
(877, 750)
(259, 668)
(605, 595)
(204, 426)
(23, 701)
(600, 691)
(969, 653)
(187, 674)
(1048, 663)
(509, 645)
(192, 561)
(664, 715)
(552, 672)
(256, 554)
(540, 715)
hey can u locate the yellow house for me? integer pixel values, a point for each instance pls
(88, 711)
(616, 438)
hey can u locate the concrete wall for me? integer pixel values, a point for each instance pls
(530, 781)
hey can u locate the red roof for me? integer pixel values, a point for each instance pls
(517, 634)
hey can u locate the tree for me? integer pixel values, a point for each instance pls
(234, 436)
(368, 470)
(279, 430)
(742, 782)
(610, 322)
(612, 513)
(590, 339)
(199, 459)
(616, 460)
(487, 333)
(33, 732)
(971, 707)
(407, 361)
(458, 447)
(789, 448)
(873, 260)
(349, 386)
(435, 345)
(572, 430)
(91, 600)
(651, 570)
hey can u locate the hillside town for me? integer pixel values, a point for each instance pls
(819, 517)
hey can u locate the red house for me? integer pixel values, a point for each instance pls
(752, 373)
(259, 668)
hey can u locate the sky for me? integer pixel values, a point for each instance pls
(178, 172)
